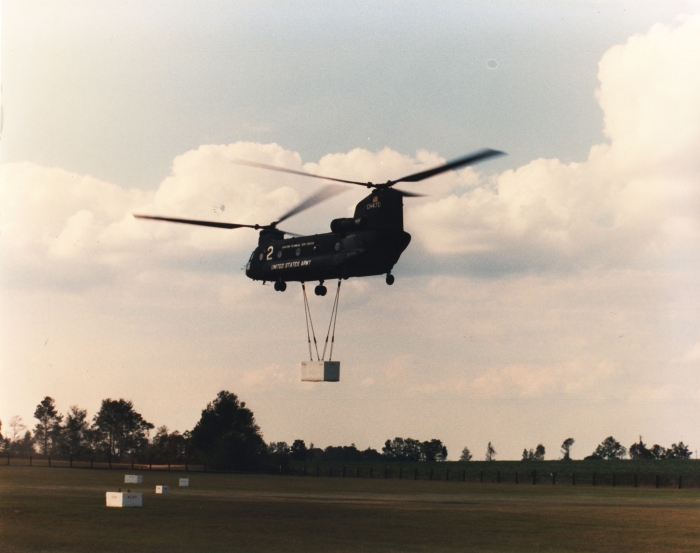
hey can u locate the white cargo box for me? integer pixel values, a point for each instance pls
(133, 479)
(162, 489)
(320, 371)
(122, 499)
(184, 482)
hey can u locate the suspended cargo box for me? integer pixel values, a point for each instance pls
(133, 479)
(320, 371)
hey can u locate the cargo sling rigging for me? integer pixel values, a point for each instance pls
(310, 325)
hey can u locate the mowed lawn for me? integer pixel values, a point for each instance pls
(43, 509)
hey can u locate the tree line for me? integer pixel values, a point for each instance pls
(226, 437)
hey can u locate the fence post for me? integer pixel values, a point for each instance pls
(534, 477)
(49, 457)
(90, 462)
(187, 467)
(464, 475)
(573, 479)
(318, 470)
(657, 481)
(554, 479)
(330, 473)
(516, 476)
(594, 478)
(343, 472)
(71, 461)
(400, 473)
(371, 472)
(30, 460)
(150, 464)
(304, 470)
(680, 482)
(447, 476)
(415, 474)
(498, 477)
(132, 463)
(614, 481)
(481, 476)
(635, 479)
(280, 470)
(168, 464)
(386, 473)
(431, 473)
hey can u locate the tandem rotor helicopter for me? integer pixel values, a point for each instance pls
(366, 244)
(369, 243)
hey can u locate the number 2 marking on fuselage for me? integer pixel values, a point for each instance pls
(269, 253)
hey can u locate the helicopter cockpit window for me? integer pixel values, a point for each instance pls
(260, 257)
(279, 254)
(298, 252)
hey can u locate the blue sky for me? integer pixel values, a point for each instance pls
(545, 295)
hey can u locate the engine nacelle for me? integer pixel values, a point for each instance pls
(348, 224)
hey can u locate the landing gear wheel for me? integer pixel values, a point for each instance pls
(320, 290)
(390, 279)
(280, 286)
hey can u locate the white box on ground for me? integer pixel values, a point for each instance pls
(184, 482)
(162, 489)
(320, 371)
(133, 479)
(124, 499)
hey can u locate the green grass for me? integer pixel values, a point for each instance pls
(57, 509)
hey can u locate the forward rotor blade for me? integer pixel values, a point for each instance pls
(196, 222)
(322, 195)
(471, 159)
(293, 172)
(410, 194)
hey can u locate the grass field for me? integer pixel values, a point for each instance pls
(56, 509)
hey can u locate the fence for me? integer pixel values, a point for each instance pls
(98, 464)
(424, 471)
(646, 479)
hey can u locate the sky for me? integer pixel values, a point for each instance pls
(547, 294)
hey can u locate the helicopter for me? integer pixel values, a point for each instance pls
(368, 243)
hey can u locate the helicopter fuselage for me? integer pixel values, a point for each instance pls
(369, 243)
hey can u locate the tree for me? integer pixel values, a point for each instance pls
(15, 444)
(566, 449)
(466, 455)
(75, 436)
(610, 449)
(226, 435)
(399, 449)
(167, 447)
(640, 451)
(17, 426)
(298, 450)
(430, 451)
(47, 431)
(658, 452)
(534, 455)
(278, 448)
(678, 451)
(490, 453)
(119, 429)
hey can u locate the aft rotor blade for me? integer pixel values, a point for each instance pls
(293, 172)
(322, 195)
(470, 159)
(196, 222)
